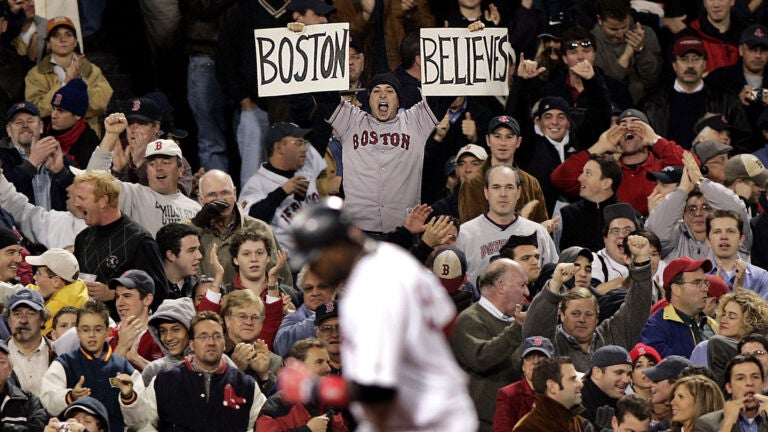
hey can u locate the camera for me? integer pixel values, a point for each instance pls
(63, 426)
(759, 94)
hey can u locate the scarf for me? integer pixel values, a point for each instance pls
(68, 137)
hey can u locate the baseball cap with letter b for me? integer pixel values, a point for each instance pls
(450, 266)
(162, 147)
(746, 166)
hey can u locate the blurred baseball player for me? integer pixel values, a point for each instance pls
(399, 369)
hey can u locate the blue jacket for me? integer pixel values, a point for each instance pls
(295, 326)
(669, 335)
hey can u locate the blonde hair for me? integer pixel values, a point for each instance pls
(753, 308)
(706, 395)
(103, 184)
(241, 298)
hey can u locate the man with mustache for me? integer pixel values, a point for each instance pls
(674, 111)
(30, 352)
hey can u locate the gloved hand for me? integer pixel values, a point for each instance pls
(603, 417)
(209, 211)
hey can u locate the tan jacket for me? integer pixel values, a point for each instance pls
(472, 202)
(42, 83)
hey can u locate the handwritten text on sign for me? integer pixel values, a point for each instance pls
(315, 59)
(455, 61)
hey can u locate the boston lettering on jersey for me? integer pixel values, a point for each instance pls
(491, 248)
(172, 214)
(367, 138)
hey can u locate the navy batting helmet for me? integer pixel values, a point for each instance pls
(318, 226)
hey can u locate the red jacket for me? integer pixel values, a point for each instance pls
(635, 186)
(273, 313)
(512, 403)
(278, 416)
(719, 52)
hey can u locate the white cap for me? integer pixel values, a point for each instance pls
(474, 150)
(60, 261)
(163, 147)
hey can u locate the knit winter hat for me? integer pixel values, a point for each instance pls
(73, 97)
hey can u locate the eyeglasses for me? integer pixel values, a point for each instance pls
(356, 56)
(216, 337)
(758, 353)
(698, 283)
(574, 45)
(223, 194)
(243, 317)
(327, 330)
(693, 210)
(25, 314)
(320, 287)
(623, 231)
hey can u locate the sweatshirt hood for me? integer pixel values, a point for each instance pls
(180, 310)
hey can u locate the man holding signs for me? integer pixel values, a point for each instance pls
(383, 151)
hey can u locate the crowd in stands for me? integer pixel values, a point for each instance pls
(601, 229)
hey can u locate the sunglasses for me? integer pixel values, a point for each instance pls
(574, 45)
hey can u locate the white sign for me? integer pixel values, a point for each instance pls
(315, 59)
(50, 9)
(456, 62)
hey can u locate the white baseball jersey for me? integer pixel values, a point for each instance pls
(265, 181)
(393, 316)
(480, 239)
(382, 163)
(150, 209)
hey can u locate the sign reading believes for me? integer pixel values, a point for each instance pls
(315, 59)
(455, 62)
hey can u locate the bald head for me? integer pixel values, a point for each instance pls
(218, 185)
(504, 284)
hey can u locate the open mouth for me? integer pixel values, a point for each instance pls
(383, 107)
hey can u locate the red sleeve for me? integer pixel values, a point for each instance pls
(669, 152)
(112, 338)
(502, 420)
(274, 315)
(565, 177)
(207, 305)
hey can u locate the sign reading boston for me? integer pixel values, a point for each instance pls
(456, 62)
(315, 59)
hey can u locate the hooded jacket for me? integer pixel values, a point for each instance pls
(181, 310)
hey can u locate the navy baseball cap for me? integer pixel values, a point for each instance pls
(134, 279)
(552, 102)
(317, 6)
(326, 311)
(88, 405)
(26, 297)
(23, 106)
(668, 175)
(669, 368)
(143, 109)
(281, 130)
(504, 121)
(609, 355)
(540, 344)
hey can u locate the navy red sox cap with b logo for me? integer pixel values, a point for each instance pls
(538, 343)
(143, 109)
(506, 121)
